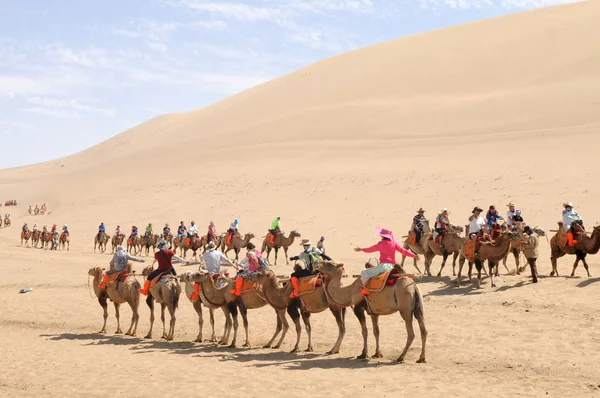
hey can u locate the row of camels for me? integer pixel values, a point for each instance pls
(267, 289)
(49, 240)
(508, 242)
(194, 244)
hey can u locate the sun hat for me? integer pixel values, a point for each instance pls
(162, 245)
(305, 242)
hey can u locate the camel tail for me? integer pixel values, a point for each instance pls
(418, 307)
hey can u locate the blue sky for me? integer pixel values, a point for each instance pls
(74, 73)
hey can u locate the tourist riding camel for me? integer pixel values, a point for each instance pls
(181, 231)
(211, 260)
(166, 231)
(233, 230)
(530, 250)
(476, 222)
(164, 256)
(134, 232)
(492, 217)
(387, 248)
(65, 230)
(35, 228)
(275, 230)
(250, 264)
(101, 228)
(118, 231)
(193, 230)
(118, 264)
(442, 223)
(148, 230)
(418, 224)
(30, 211)
(25, 228)
(570, 215)
(310, 256)
(212, 233)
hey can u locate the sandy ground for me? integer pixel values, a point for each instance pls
(355, 141)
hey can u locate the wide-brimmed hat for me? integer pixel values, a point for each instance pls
(384, 233)
(305, 242)
(568, 204)
(421, 210)
(510, 204)
(476, 208)
(162, 245)
(443, 210)
(211, 246)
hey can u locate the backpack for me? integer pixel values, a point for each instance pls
(315, 257)
(263, 263)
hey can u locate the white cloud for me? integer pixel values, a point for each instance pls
(60, 113)
(507, 4)
(75, 105)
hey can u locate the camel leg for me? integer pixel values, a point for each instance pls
(233, 309)
(338, 313)
(308, 326)
(118, 315)
(375, 321)
(171, 334)
(104, 304)
(444, 258)
(285, 250)
(244, 313)
(276, 251)
(478, 266)
(213, 336)
(228, 326)
(293, 312)
(283, 326)
(454, 257)
(135, 316)
(587, 269)
(491, 265)
(403, 258)
(150, 303)
(162, 318)
(198, 307)
(410, 332)
(415, 264)
(461, 263)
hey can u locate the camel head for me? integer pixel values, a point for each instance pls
(329, 268)
(539, 231)
(295, 234)
(426, 227)
(95, 271)
(199, 276)
(261, 276)
(185, 277)
(513, 235)
(147, 270)
(249, 236)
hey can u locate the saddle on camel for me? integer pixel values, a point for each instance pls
(376, 278)
(119, 268)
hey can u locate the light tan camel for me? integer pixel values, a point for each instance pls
(182, 244)
(119, 293)
(116, 241)
(281, 241)
(186, 278)
(418, 247)
(54, 240)
(101, 241)
(516, 248)
(166, 292)
(493, 253)
(452, 242)
(35, 238)
(309, 303)
(404, 297)
(135, 247)
(64, 241)
(237, 244)
(586, 245)
(220, 297)
(25, 236)
(150, 241)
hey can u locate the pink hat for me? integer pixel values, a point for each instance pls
(385, 233)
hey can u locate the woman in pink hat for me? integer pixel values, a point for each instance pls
(387, 248)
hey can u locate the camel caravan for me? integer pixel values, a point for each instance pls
(46, 239)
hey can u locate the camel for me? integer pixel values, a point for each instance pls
(493, 253)
(64, 241)
(135, 246)
(166, 292)
(516, 248)
(218, 241)
(309, 303)
(25, 235)
(237, 244)
(168, 238)
(586, 245)
(417, 248)
(119, 293)
(150, 241)
(194, 245)
(35, 238)
(101, 240)
(220, 297)
(404, 297)
(7, 222)
(453, 243)
(186, 278)
(281, 241)
(116, 241)
(54, 242)
(46, 240)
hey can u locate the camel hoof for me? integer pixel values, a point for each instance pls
(309, 349)
(119, 332)
(198, 340)
(232, 345)
(362, 356)
(377, 355)
(400, 360)
(439, 274)
(422, 360)
(222, 343)
(332, 352)
(133, 335)
(267, 346)
(148, 336)
(247, 345)
(295, 350)
(275, 347)
(493, 285)
(169, 338)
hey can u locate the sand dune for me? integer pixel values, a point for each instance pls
(478, 114)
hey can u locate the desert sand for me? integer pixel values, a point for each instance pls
(499, 110)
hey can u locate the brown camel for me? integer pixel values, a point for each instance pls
(186, 278)
(35, 238)
(150, 241)
(586, 245)
(116, 241)
(418, 247)
(101, 241)
(166, 292)
(25, 236)
(120, 292)
(220, 297)
(493, 252)
(64, 241)
(168, 238)
(281, 242)
(135, 246)
(309, 303)
(404, 297)
(237, 244)
(45, 240)
(218, 241)
(452, 242)
(183, 245)
(7, 222)
(516, 248)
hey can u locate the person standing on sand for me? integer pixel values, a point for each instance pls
(530, 249)
(387, 248)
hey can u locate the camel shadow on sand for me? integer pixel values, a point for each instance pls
(264, 357)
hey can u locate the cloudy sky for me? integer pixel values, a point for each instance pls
(74, 73)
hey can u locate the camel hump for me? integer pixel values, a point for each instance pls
(378, 282)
